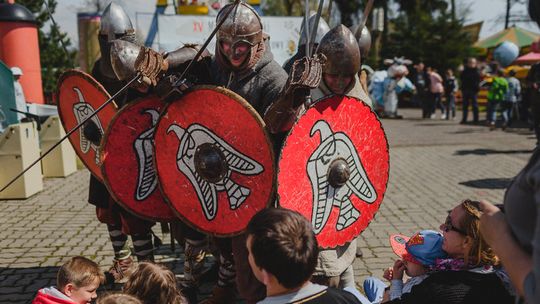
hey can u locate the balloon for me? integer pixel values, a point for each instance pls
(506, 53)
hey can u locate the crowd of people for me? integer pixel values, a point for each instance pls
(504, 93)
(457, 265)
(480, 255)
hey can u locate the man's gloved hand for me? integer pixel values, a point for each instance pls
(151, 65)
(307, 72)
(171, 87)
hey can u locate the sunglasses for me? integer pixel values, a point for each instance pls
(448, 226)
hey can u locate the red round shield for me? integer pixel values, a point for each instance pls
(334, 168)
(214, 160)
(127, 160)
(78, 96)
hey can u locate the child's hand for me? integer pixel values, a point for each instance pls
(388, 273)
(386, 296)
(399, 268)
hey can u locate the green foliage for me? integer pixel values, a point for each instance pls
(54, 59)
(425, 30)
(347, 9)
(284, 8)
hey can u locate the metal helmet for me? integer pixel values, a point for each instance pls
(123, 57)
(242, 26)
(363, 36)
(341, 50)
(115, 23)
(322, 29)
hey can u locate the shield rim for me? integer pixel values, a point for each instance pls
(99, 87)
(258, 118)
(287, 138)
(104, 174)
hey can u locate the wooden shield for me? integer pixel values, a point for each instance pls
(127, 160)
(214, 160)
(78, 96)
(334, 168)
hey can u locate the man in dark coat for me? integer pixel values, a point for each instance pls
(470, 85)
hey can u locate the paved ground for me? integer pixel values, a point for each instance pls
(434, 164)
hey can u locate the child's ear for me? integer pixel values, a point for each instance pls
(266, 277)
(69, 289)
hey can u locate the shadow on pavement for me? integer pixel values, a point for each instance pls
(432, 124)
(488, 183)
(490, 151)
(20, 285)
(466, 131)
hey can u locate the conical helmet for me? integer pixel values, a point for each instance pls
(242, 29)
(341, 50)
(322, 29)
(363, 36)
(242, 24)
(115, 23)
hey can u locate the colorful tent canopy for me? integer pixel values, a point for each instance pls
(517, 35)
(528, 58)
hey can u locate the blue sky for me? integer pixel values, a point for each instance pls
(489, 11)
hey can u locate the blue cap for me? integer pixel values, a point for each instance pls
(425, 247)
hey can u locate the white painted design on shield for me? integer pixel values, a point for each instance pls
(196, 135)
(82, 110)
(143, 146)
(333, 146)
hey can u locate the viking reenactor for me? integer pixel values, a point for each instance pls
(340, 56)
(243, 64)
(115, 24)
(340, 76)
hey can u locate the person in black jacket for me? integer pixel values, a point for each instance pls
(472, 274)
(470, 84)
(422, 83)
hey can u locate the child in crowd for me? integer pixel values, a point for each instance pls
(417, 254)
(76, 282)
(283, 254)
(154, 284)
(118, 298)
(450, 89)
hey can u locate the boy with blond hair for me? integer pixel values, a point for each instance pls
(76, 282)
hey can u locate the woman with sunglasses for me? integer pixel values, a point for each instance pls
(470, 274)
